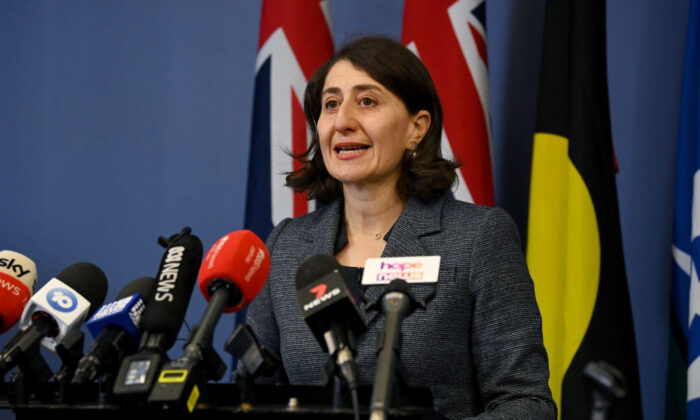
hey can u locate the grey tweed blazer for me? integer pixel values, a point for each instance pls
(478, 345)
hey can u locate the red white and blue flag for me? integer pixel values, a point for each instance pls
(295, 39)
(450, 37)
(685, 281)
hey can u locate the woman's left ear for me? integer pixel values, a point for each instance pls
(421, 123)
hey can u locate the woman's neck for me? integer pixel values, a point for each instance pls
(369, 214)
(372, 211)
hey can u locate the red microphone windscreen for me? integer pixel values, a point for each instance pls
(241, 258)
(17, 282)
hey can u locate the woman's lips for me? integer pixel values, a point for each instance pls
(346, 151)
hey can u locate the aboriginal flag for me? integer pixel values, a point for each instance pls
(574, 246)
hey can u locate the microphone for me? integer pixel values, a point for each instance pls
(239, 263)
(395, 303)
(256, 359)
(17, 282)
(163, 316)
(231, 276)
(115, 327)
(55, 311)
(330, 311)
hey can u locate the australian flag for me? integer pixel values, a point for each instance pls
(685, 287)
(450, 38)
(295, 39)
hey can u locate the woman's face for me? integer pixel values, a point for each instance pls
(364, 129)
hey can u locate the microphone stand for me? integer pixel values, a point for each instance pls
(340, 365)
(608, 386)
(396, 303)
(32, 376)
(255, 360)
(33, 372)
(70, 350)
(182, 380)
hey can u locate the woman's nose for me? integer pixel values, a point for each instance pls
(345, 117)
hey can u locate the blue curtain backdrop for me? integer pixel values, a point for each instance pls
(123, 121)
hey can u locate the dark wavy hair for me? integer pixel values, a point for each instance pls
(427, 175)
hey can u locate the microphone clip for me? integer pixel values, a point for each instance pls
(166, 242)
(70, 350)
(33, 373)
(400, 286)
(608, 385)
(32, 378)
(254, 360)
(203, 356)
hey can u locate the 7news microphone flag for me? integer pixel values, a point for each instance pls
(450, 38)
(684, 352)
(574, 243)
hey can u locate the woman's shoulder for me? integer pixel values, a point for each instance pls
(461, 210)
(303, 226)
(320, 216)
(463, 216)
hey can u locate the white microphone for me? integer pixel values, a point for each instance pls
(55, 310)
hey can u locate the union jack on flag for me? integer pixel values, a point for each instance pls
(295, 39)
(450, 38)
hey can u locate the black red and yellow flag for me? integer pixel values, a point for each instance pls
(574, 246)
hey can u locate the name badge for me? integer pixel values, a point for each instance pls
(410, 269)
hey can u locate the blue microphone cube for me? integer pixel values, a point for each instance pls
(125, 313)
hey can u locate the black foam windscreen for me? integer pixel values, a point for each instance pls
(326, 301)
(143, 286)
(88, 280)
(314, 268)
(177, 273)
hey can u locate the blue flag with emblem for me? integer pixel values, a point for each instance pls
(685, 287)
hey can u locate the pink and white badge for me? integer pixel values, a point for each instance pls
(410, 269)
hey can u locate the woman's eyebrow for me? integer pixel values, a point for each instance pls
(330, 90)
(357, 88)
(362, 88)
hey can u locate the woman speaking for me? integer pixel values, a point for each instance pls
(375, 167)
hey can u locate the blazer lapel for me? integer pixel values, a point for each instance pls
(417, 219)
(320, 233)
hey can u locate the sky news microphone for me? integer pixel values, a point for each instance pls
(330, 311)
(116, 329)
(163, 316)
(55, 310)
(231, 276)
(17, 283)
